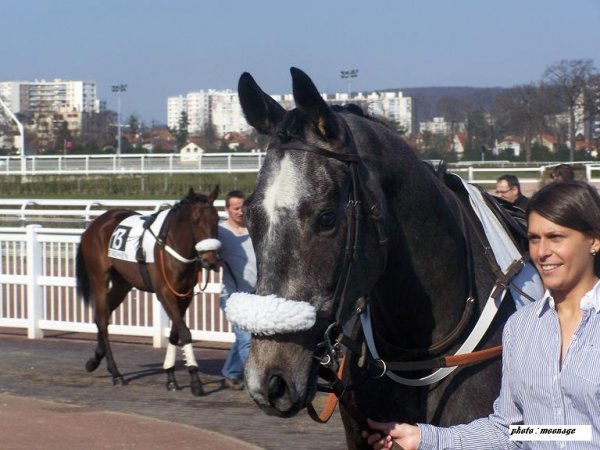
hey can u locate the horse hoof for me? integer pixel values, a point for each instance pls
(172, 386)
(119, 381)
(197, 389)
(92, 364)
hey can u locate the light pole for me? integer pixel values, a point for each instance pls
(349, 75)
(118, 88)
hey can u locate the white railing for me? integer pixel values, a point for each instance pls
(38, 293)
(82, 212)
(241, 162)
(128, 164)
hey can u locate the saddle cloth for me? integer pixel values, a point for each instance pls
(527, 280)
(124, 240)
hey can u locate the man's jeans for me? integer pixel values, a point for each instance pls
(234, 364)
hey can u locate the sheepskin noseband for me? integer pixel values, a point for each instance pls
(207, 245)
(267, 315)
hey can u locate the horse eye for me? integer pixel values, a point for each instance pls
(326, 220)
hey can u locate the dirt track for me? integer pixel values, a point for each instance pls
(52, 369)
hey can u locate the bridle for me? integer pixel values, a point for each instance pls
(361, 203)
(161, 241)
(359, 195)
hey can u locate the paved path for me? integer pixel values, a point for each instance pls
(48, 401)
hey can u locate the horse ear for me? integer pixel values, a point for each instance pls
(261, 111)
(191, 193)
(213, 195)
(309, 101)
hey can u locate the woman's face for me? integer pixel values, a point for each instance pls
(562, 256)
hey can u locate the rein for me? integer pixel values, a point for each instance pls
(168, 283)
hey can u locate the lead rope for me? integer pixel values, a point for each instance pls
(330, 403)
(168, 283)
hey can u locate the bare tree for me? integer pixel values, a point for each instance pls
(521, 110)
(572, 80)
(453, 110)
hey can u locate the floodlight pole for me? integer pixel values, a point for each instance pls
(349, 75)
(118, 88)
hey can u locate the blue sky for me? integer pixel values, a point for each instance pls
(161, 48)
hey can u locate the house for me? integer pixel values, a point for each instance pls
(191, 152)
(458, 144)
(546, 140)
(509, 142)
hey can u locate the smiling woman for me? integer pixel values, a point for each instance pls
(549, 374)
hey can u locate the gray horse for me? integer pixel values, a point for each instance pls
(346, 215)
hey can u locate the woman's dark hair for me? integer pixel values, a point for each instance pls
(572, 204)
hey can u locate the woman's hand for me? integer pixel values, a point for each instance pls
(408, 437)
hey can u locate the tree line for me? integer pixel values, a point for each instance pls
(566, 98)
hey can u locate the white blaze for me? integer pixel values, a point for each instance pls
(284, 191)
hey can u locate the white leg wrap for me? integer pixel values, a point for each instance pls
(170, 357)
(188, 354)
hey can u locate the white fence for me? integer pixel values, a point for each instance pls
(242, 162)
(138, 164)
(82, 212)
(38, 293)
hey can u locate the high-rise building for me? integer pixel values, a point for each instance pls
(50, 96)
(50, 106)
(221, 109)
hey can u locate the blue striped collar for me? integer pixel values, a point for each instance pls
(590, 300)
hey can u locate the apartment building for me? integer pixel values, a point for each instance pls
(50, 96)
(217, 108)
(221, 109)
(49, 105)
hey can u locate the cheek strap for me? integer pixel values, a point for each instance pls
(267, 315)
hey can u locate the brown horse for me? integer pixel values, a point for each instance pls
(180, 248)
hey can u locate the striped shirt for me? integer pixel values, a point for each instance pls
(535, 389)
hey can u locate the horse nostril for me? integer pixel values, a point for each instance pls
(277, 387)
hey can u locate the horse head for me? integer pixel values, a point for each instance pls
(204, 219)
(316, 222)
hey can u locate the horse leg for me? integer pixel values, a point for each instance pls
(176, 309)
(98, 289)
(170, 359)
(114, 298)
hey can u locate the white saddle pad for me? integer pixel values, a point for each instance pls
(125, 239)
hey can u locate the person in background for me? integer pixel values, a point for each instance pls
(509, 189)
(562, 172)
(550, 357)
(239, 275)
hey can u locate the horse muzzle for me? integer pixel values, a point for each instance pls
(276, 394)
(208, 253)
